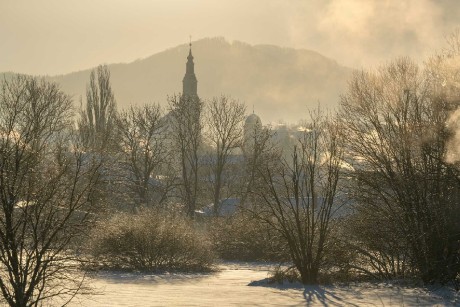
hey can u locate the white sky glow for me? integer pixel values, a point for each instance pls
(55, 36)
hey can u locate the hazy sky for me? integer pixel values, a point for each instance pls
(60, 36)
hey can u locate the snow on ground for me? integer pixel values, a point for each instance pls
(244, 285)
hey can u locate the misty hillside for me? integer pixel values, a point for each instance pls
(279, 82)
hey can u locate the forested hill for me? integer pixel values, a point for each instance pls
(278, 82)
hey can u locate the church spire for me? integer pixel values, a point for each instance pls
(189, 83)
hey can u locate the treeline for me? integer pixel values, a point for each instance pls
(371, 191)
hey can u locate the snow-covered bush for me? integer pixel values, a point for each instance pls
(151, 240)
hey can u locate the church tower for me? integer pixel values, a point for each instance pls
(189, 83)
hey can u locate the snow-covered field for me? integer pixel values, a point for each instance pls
(230, 287)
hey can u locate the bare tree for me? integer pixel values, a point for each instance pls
(225, 132)
(143, 136)
(395, 123)
(45, 180)
(299, 196)
(258, 152)
(98, 118)
(452, 49)
(186, 124)
(96, 126)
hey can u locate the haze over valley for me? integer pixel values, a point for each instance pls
(279, 83)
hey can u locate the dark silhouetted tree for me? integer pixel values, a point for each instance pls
(298, 197)
(45, 180)
(394, 120)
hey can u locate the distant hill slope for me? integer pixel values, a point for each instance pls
(279, 82)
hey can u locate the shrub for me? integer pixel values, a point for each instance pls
(151, 240)
(376, 252)
(280, 275)
(243, 238)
